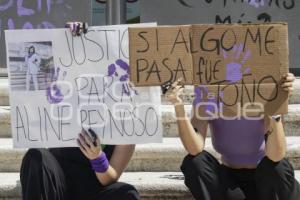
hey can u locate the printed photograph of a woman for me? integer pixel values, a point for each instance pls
(33, 61)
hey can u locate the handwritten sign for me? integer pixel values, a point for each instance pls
(60, 84)
(38, 14)
(176, 12)
(160, 55)
(231, 65)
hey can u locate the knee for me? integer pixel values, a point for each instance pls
(32, 162)
(271, 169)
(277, 177)
(197, 163)
(33, 159)
(277, 167)
(33, 156)
(283, 166)
(129, 192)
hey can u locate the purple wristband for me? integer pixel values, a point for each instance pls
(100, 164)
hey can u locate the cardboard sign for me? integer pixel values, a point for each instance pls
(160, 55)
(233, 65)
(60, 84)
(239, 68)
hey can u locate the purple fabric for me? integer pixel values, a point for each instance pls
(240, 142)
(100, 164)
(112, 71)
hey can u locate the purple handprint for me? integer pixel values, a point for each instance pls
(53, 92)
(22, 11)
(112, 70)
(125, 67)
(234, 69)
(200, 93)
(54, 95)
(123, 76)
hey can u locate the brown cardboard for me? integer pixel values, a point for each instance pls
(232, 99)
(159, 55)
(266, 56)
(248, 59)
(259, 66)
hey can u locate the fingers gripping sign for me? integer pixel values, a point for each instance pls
(89, 144)
(77, 28)
(287, 82)
(173, 91)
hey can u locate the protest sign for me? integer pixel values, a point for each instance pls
(233, 66)
(60, 84)
(160, 55)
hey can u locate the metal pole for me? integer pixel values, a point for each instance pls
(115, 12)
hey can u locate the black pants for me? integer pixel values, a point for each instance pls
(43, 177)
(209, 180)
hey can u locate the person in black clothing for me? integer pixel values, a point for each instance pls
(66, 173)
(89, 172)
(252, 164)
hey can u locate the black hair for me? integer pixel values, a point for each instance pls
(31, 47)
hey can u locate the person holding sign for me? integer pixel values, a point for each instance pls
(33, 61)
(253, 164)
(89, 172)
